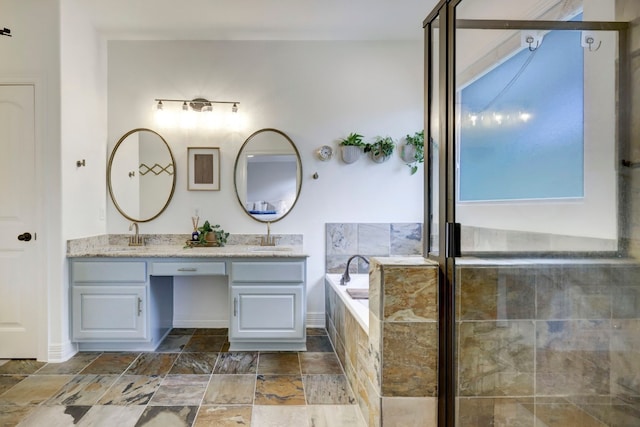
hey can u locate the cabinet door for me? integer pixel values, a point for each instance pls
(266, 312)
(109, 313)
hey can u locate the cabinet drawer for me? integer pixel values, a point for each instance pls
(188, 269)
(110, 271)
(275, 271)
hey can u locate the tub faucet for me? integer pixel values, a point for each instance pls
(345, 277)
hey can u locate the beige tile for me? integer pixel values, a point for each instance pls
(110, 416)
(237, 363)
(12, 415)
(279, 390)
(180, 390)
(230, 389)
(205, 343)
(319, 363)
(517, 412)
(496, 358)
(194, 363)
(409, 412)
(279, 363)
(131, 390)
(279, 416)
(160, 416)
(327, 390)
(72, 366)
(34, 390)
(54, 416)
(573, 355)
(83, 390)
(335, 416)
(8, 381)
(409, 370)
(110, 363)
(16, 367)
(223, 416)
(410, 294)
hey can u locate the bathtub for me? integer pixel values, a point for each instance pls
(359, 308)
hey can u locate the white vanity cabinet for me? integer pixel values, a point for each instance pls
(109, 300)
(268, 305)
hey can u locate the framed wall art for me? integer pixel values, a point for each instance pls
(203, 168)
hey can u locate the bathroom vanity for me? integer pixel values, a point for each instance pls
(122, 298)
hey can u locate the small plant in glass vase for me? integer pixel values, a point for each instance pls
(381, 149)
(351, 147)
(413, 151)
(211, 235)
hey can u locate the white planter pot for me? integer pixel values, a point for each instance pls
(378, 158)
(408, 153)
(351, 153)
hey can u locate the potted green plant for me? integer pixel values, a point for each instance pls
(211, 235)
(351, 147)
(381, 149)
(413, 150)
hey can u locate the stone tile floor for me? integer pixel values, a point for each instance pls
(190, 380)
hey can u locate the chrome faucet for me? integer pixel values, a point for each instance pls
(135, 240)
(345, 277)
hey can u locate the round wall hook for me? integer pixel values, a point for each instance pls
(316, 176)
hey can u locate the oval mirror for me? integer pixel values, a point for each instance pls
(268, 175)
(141, 175)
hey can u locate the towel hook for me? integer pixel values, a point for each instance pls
(589, 40)
(530, 40)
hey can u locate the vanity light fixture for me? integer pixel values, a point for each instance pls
(197, 104)
(194, 112)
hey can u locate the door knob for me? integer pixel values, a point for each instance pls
(24, 236)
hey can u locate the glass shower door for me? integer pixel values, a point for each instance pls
(544, 284)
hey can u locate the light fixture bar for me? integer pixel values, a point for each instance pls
(197, 100)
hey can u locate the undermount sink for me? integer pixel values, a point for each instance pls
(270, 249)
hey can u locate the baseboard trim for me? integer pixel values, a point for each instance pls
(185, 323)
(61, 352)
(316, 319)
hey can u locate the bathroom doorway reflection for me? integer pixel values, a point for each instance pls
(532, 181)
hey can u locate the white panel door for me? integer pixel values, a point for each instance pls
(18, 276)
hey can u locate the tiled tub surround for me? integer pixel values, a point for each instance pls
(392, 367)
(550, 342)
(375, 239)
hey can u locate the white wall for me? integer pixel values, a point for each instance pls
(315, 92)
(83, 123)
(83, 136)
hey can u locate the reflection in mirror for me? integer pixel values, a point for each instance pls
(141, 175)
(268, 174)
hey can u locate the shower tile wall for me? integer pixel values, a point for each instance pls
(373, 239)
(558, 343)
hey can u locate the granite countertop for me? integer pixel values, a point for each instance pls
(172, 247)
(158, 251)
